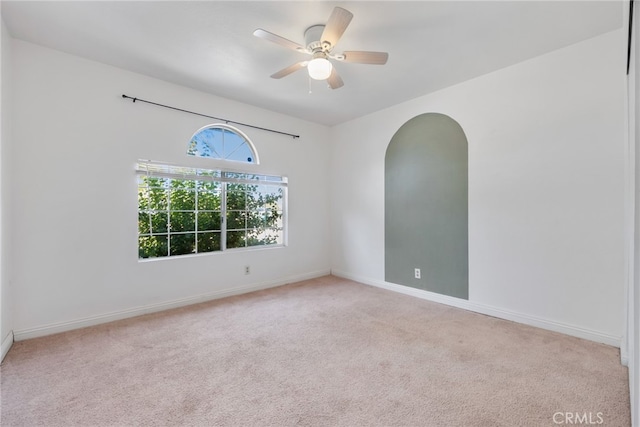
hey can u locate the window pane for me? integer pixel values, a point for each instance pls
(211, 186)
(234, 186)
(256, 219)
(215, 142)
(143, 198)
(152, 246)
(155, 181)
(159, 222)
(273, 218)
(273, 197)
(182, 244)
(208, 221)
(208, 201)
(242, 154)
(144, 223)
(183, 198)
(156, 199)
(264, 196)
(208, 242)
(254, 197)
(279, 236)
(265, 236)
(236, 220)
(204, 142)
(236, 200)
(236, 148)
(253, 240)
(183, 221)
(236, 239)
(231, 142)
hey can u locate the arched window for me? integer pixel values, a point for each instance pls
(222, 142)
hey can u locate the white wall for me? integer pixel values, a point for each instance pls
(76, 142)
(633, 307)
(6, 321)
(546, 188)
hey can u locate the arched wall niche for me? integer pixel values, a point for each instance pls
(426, 206)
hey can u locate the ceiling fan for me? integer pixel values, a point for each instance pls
(320, 41)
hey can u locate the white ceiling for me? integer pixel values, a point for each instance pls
(209, 46)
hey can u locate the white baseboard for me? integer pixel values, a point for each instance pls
(500, 313)
(624, 359)
(54, 328)
(7, 342)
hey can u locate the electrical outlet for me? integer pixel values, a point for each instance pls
(247, 269)
(416, 273)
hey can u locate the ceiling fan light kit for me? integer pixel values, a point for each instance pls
(319, 68)
(320, 41)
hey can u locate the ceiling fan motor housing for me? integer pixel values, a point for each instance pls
(312, 38)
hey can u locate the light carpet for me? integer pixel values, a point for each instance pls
(323, 352)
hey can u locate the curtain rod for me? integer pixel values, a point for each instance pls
(134, 99)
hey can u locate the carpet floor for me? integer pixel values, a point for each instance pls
(323, 352)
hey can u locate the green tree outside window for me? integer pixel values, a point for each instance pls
(180, 216)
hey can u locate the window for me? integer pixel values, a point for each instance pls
(184, 210)
(222, 142)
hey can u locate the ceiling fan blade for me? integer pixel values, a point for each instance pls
(361, 57)
(334, 79)
(290, 69)
(338, 22)
(263, 34)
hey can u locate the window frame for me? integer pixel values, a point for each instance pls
(223, 177)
